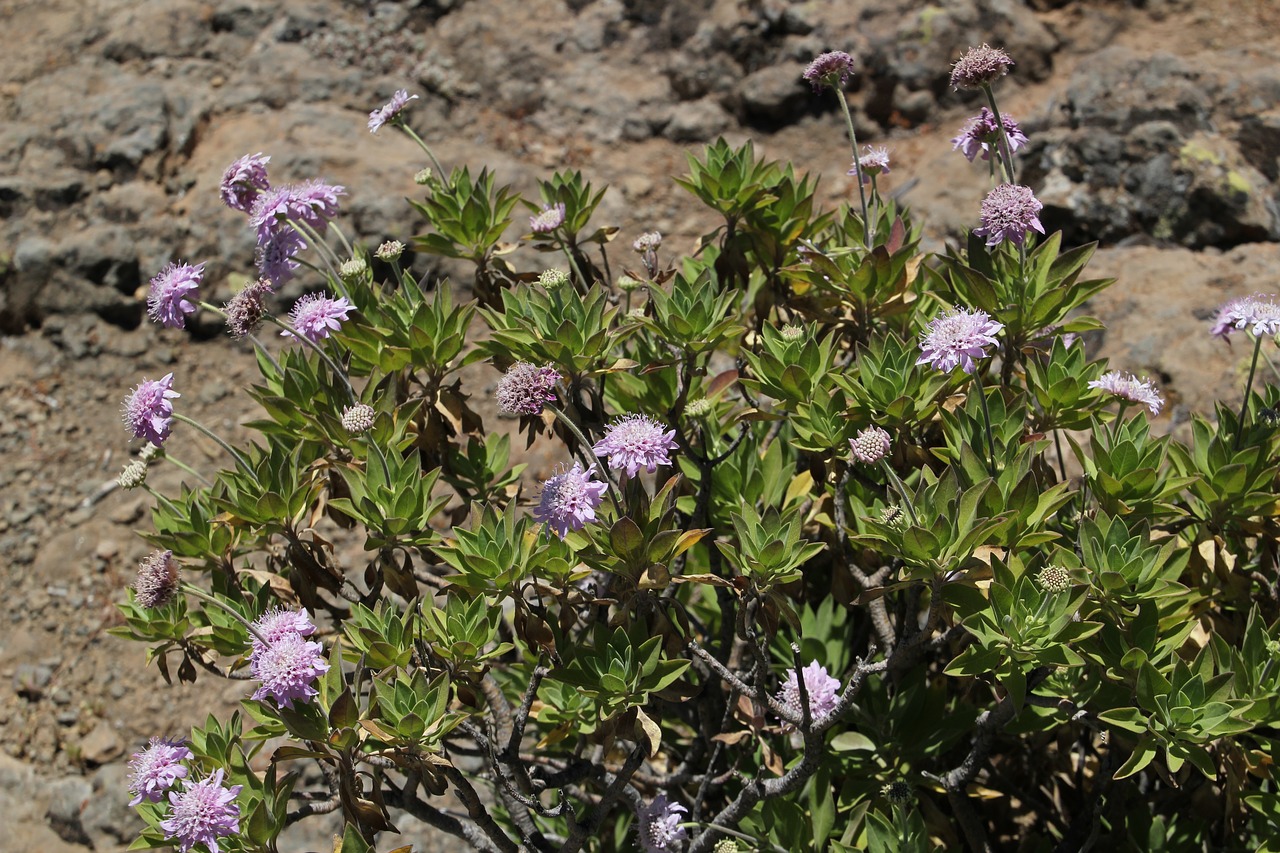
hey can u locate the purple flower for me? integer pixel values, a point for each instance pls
(1129, 387)
(649, 241)
(313, 204)
(1259, 311)
(167, 301)
(980, 66)
(276, 256)
(246, 309)
(874, 161)
(569, 500)
(157, 579)
(957, 338)
(823, 690)
(1008, 212)
(871, 445)
(156, 769)
(288, 669)
(980, 135)
(202, 814)
(316, 315)
(659, 825)
(391, 110)
(634, 442)
(829, 69)
(147, 410)
(278, 623)
(551, 218)
(244, 180)
(526, 388)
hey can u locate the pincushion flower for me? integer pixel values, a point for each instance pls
(314, 204)
(1259, 311)
(658, 825)
(871, 445)
(245, 310)
(147, 410)
(647, 242)
(1008, 212)
(980, 66)
(276, 256)
(569, 500)
(167, 302)
(391, 110)
(823, 690)
(957, 339)
(981, 135)
(243, 181)
(634, 442)
(157, 579)
(288, 669)
(203, 813)
(156, 769)
(316, 315)
(1126, 386)
(526, 388)
(874, 161)
(358, 419)
(833, 68)
(279, 623)
(551, 218)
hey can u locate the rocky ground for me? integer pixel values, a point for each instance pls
(1154, 125)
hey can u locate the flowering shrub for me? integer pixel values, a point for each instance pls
(847, 547)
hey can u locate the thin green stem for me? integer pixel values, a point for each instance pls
(1005, 152)
(853, 142)
(1062, 463)
(1115, 427)
(1248, 389)
(586, 452)
(240, 460)
(423, 145)
(564, 247)
(235, 614)
(901, 489)
(185, 467)
(875, 210)
(986, 421)
(337, 371)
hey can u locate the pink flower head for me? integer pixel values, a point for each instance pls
(823, 690)
(874, 161)
(156, 769)
(203, 813)
(157, 580)
(390, 111)
(313, 204)
(278, 623)
(829, 69)
(243, 181)
(659, 827)
(526, 388)
(957, 338)
(871, 445)
(167, 301)
(551, 218)
(980, 66)
(634, 442)
(1259, 311)
(1008, 212)
(147, 410)
(1126, 386)
(277, 256)
(980, 135)
(316, 315)
(569, 500)
(288, 669)
(246, 309)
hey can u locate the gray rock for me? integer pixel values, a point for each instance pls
(697, 121)
(107, 818)
(67, 801)
(775, 95)
(101, 745)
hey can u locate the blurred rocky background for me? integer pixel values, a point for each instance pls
(1154, 128)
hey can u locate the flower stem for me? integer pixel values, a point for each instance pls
(337, 371)
(586, 450)
(196, 592)
(1248, 389)
(1005, 152)
(240, 460)
(901, 489)
(423, 145)
(986, 422)
(853, 142)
